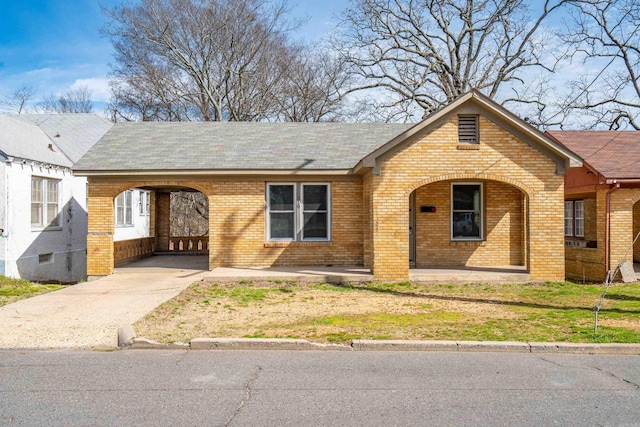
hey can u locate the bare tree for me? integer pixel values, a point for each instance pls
(199, 60)
(606, 38)
(189, 214)
(423, 54)
(72, 101)
(17, 100)
(313, 87)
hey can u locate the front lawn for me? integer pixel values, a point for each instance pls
(12, 290)
(329, 313)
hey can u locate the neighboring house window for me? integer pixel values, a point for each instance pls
(298, 212)
(466, 211)
(568, 218)
(468, 130)
(123, 205)
(145, 202)
(45, 202)
(574, 218)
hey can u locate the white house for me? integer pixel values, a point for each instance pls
(132, 215)
(43, 207)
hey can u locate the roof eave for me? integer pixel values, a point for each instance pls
(212, 172)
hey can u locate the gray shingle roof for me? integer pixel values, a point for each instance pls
(235, 145)
(27, 141)
(74, 134)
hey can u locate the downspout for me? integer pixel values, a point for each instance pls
(607, 228)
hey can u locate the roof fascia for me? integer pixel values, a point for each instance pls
(215, 172)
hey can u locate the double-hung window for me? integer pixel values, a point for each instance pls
(298, 212)
(123, 208)
(145, 202)
(466, 211)
(45, 202)
(574, 218)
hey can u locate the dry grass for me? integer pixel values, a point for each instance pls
(327, 313)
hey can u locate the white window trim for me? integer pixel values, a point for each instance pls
(124, 222)
(269, 212)
(566, 218)
(298, 213)
(144, 202)
(302, 210)
(577, 203)
(482, 213)
(43, 208)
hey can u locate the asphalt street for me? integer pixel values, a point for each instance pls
(307, 388)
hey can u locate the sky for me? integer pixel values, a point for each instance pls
(55, 45)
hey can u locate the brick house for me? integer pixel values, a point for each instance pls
(471, 185)
(602, 201)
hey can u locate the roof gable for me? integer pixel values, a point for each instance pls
(474, 102)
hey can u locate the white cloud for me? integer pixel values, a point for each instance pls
(46, 71)
(99, 87)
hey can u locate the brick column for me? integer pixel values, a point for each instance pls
(100, 232)
(390, 230)
(162, 220)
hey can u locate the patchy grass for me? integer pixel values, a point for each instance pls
(330, 313)
(12, 290)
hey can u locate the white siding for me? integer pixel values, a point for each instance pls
(23, 245)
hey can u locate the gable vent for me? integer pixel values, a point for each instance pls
(468, 130)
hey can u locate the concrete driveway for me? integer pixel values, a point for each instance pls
(88, 315)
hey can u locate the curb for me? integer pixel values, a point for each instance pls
(261, 344)
(128, 339)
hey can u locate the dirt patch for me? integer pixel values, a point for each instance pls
(326, 313)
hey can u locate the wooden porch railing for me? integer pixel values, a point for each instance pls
(189, 244)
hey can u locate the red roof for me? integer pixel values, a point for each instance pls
(614, 154)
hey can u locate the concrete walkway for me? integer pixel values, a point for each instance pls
(88, 315)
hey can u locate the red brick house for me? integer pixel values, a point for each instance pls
(602, 201)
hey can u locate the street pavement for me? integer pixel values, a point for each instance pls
(316, 388)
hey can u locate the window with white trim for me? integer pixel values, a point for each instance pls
(45, 202)
(123, 209)
(298, 212)
(466, 211)
(574, 218)
(145, 202)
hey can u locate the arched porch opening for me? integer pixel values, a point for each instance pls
(468, 222)
(159, 219)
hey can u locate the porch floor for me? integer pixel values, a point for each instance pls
(355, 274)
(511, 274)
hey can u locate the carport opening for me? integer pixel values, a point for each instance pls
(158, 220)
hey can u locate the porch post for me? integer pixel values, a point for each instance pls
(163, 221)
(100, 256)
(390, 231)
